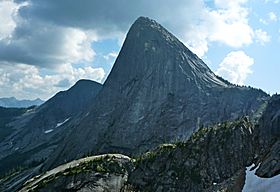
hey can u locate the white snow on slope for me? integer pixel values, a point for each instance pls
(61, 123)
(253, 183)
(48, 131)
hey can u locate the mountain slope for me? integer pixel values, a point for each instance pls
(158, 91)
(7, 115)
(213, 159)
(38, 131)
(13, 102)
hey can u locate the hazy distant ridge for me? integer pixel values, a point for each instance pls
(13, 102)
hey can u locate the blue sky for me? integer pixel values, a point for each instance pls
(266, 67)
(46, 46)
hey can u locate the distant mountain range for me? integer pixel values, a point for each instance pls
(15, 103)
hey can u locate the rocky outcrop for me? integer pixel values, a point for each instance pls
(158, 91)
(270, 162)
(213, 158)
(98, 173)
(268, 139)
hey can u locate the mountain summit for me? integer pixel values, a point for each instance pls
(158, 91)
(150, 49)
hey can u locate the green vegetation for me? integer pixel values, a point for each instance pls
(12, 173)
(195, 176)
(19, 168)
(17, 159)
(188, 167)
(185, 158)
(103, 164)
(151, 155)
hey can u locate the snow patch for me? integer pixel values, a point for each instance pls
(48, 131)
(61, 123)
(253, 183)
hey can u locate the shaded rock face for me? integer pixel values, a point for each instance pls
(158, 91)
(38, 131)
(268, 135)
(212, 159)
(8, 115)
(269, 123)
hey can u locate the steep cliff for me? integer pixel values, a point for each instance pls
(208, 161)
(268, 139)
(158, 91)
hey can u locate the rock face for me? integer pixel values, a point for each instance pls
(98, 173)
(214, 158)
(39, 130)
(158, 91)
(268, 135)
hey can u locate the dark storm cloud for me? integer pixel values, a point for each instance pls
(32, 46)
(108, 15)
(39, 38)
(36, 43)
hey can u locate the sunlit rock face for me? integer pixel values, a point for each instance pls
(158, 91)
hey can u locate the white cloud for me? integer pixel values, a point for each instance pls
(261, 36)
(112, 55)
(48, 46)
(229, 3)
(77, 46)
(231, 30)
(73, 74)
(272, 1)
(235, 67)
(26, 81)
(272, 16)
(263, 21)
(228, 25)
(8, 10)
(46, 35)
